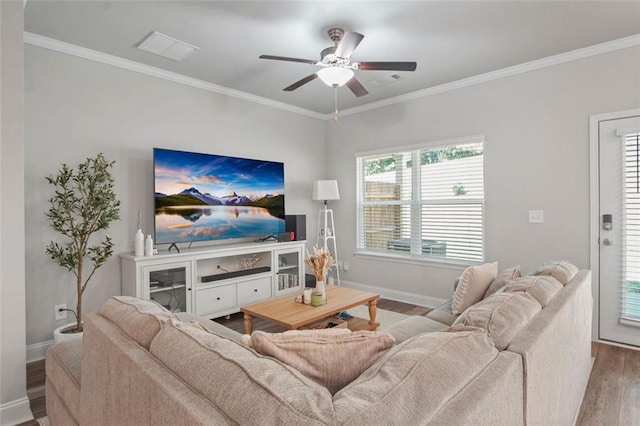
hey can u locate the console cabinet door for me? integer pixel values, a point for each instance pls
(168, 284)
(289, 267)
(254, 290)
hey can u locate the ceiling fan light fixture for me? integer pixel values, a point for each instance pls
(335, 76)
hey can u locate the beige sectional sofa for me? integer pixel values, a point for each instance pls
(139, 364)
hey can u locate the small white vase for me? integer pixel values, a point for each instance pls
(321, 289)
(59, 336)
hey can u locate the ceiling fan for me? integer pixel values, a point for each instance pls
(337, 69)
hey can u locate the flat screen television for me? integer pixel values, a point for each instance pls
(203, 197)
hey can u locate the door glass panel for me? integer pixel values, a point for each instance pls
(631, 283)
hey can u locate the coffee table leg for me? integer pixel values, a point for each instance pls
(248, 323)
(372, 315)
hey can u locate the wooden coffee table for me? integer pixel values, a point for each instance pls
(284, 311)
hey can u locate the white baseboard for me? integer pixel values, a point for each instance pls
(620, 345)
(15, 412)
(400, 296)
(37, 351)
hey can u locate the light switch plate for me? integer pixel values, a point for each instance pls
(536, 216)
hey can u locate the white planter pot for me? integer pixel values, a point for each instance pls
(59, 336)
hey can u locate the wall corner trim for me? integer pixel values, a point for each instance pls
(15, 412)
(550, 61)
(115, 61)
(561, 58)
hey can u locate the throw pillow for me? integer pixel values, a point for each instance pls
(562, 271)
(503, 315)
(502, 279)
(245, 339)
(330, 359)
(139, 319)
(474, 282)
(541, 288)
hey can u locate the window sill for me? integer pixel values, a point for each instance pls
(459, 265)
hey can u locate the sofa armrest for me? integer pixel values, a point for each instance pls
(556, 351)
(210, 325)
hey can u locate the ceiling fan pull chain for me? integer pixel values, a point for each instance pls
(335, 102)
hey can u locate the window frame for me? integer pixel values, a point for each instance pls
(415, 205)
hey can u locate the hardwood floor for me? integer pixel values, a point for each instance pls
(613, 393)
(612, 396)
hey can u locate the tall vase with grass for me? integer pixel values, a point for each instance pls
(82, 207)
(320, 261)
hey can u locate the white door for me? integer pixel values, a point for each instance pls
(619, 237)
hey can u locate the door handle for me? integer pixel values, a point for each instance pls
(607, 241)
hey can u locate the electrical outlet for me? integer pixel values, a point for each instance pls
(60, 315)
(345, 266)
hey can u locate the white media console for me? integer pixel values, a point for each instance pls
(217, 280)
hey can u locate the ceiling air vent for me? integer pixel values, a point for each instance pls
(166, 46)
(383, 81)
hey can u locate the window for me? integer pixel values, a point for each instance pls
(433, 211)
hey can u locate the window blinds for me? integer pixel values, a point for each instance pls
(630, 289)
(433, 210)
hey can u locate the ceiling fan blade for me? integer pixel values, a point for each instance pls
(350, 40)
(357, 88)
(284, 58)
(299, 83)
(386, 66)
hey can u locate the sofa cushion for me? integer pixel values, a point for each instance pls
(443, 313)
(139, 319)
(412, 326)
(332, 359)
(415, 379)
(474, 282)
(541, 288)
(249, 388)
(63, 362)
(502, 279)
(502, 315)
(562, 271)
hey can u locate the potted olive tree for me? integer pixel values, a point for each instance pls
(83, 204)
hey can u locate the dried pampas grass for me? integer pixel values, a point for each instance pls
(319, 261)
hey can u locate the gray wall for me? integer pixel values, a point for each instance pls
(14, 405)
(76, 108)
(536, 158)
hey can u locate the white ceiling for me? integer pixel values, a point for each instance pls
(449, 40)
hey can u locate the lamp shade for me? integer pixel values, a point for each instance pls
(335, 76)
(324, 190)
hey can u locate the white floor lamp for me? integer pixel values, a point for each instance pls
(327, 190)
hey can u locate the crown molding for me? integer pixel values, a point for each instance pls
(573, 55)
(115, 61)
(93, 55)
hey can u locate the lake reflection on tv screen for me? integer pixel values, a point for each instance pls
(199, 223)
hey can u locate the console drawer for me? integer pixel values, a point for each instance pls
(214, 299)
(254, 290)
